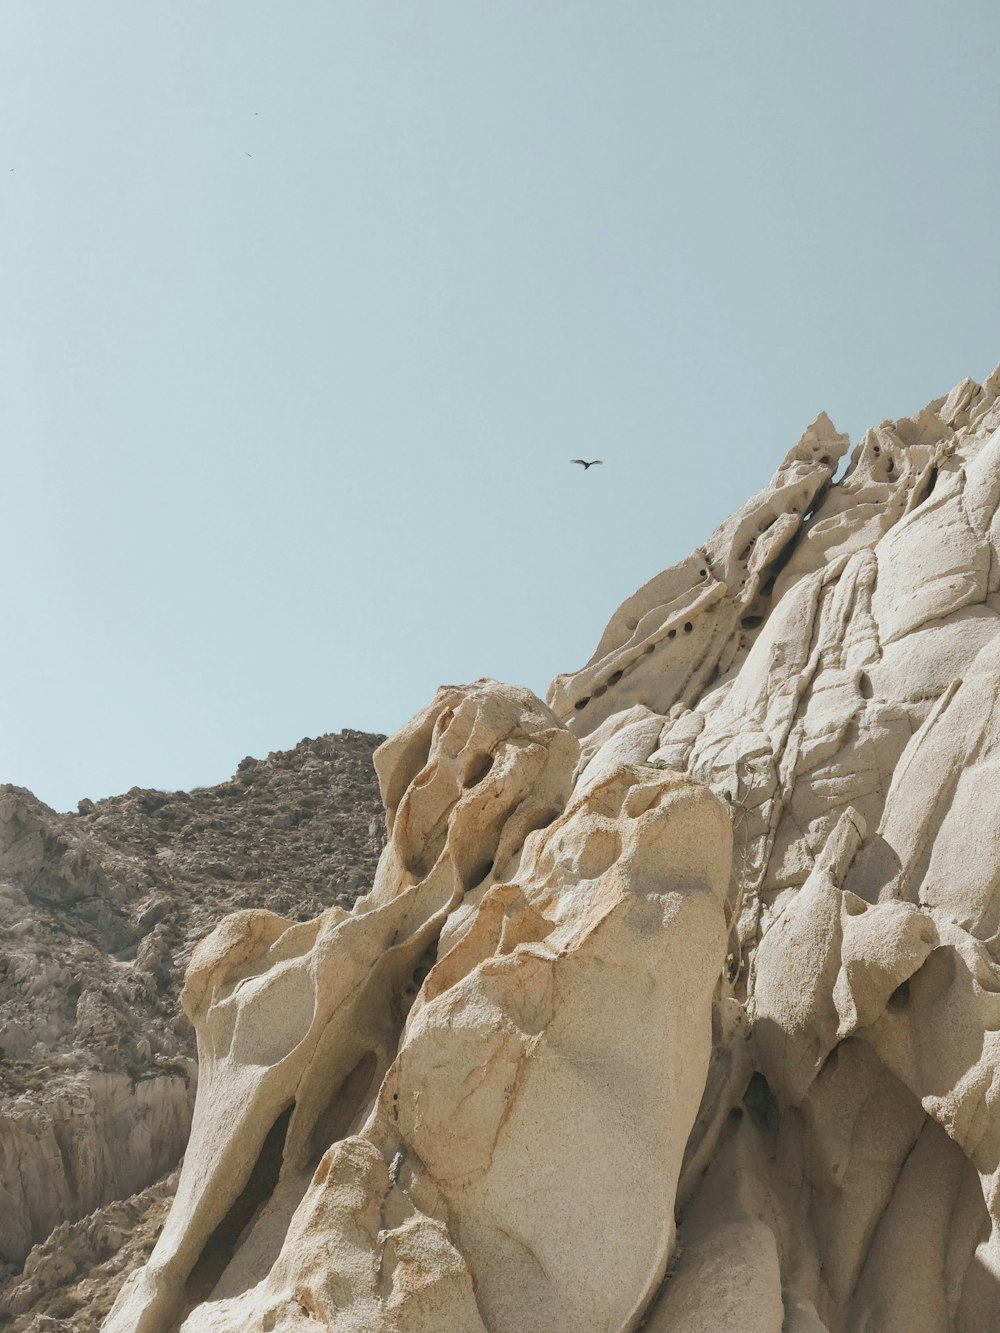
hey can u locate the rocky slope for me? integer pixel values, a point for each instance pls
(674, 1002)
(101, 910)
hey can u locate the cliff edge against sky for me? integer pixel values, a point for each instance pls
(674, 1002)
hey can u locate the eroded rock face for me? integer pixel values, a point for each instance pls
(853, 731)
(574, 940)
(711, 937)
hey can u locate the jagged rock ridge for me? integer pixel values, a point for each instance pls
(586, 994)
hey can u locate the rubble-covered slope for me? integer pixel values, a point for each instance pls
(674, 1001)
(101, 910)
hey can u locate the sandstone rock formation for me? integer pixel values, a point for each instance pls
(538, 1006)
(101, 910)
(711, 936)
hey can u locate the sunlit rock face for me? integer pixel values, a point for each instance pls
(675, 1000)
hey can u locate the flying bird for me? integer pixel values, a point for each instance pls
(584, 464)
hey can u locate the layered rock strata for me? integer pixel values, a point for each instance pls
(711, 937)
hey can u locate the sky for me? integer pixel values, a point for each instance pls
(306, 306)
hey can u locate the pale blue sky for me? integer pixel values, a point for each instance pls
(304, 308)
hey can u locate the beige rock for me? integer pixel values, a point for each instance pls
(867, 702)
(578, 973)
(587, 1001)
(664, 644)
(828, 967)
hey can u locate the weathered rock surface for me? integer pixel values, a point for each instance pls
(713, 937)
(574, 940)
(101, 911)
(70, 1280)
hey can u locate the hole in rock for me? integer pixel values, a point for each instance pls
(865, 685)
(890, 467)
(601, 689)
(671, 634)
(421, 861)
(402, 1001)
(426, 774)
(782, 559)
(900, 997)
(478, 769)
(761, 1106)
(221, 1244)
(333, 1121)
(703, 573)
(478, 875)
(444, 721)
(688, 627)
(420, 975)
(649, 648)
(931, 482)
(751, 622)
(876, 450)
(615, 677)
(544, 817)
(825, 460)
(581, 704)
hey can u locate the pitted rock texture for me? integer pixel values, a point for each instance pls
(348, 1100)
(850, 726)
(101, 911)
(710, 941)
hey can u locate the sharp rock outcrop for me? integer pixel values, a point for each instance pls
(675, 999)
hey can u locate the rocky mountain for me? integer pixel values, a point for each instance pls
(674, 1001)
(101, 910)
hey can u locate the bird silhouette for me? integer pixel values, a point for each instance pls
(584, 464)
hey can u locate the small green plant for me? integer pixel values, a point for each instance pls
(746, 771)
(736, 808)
